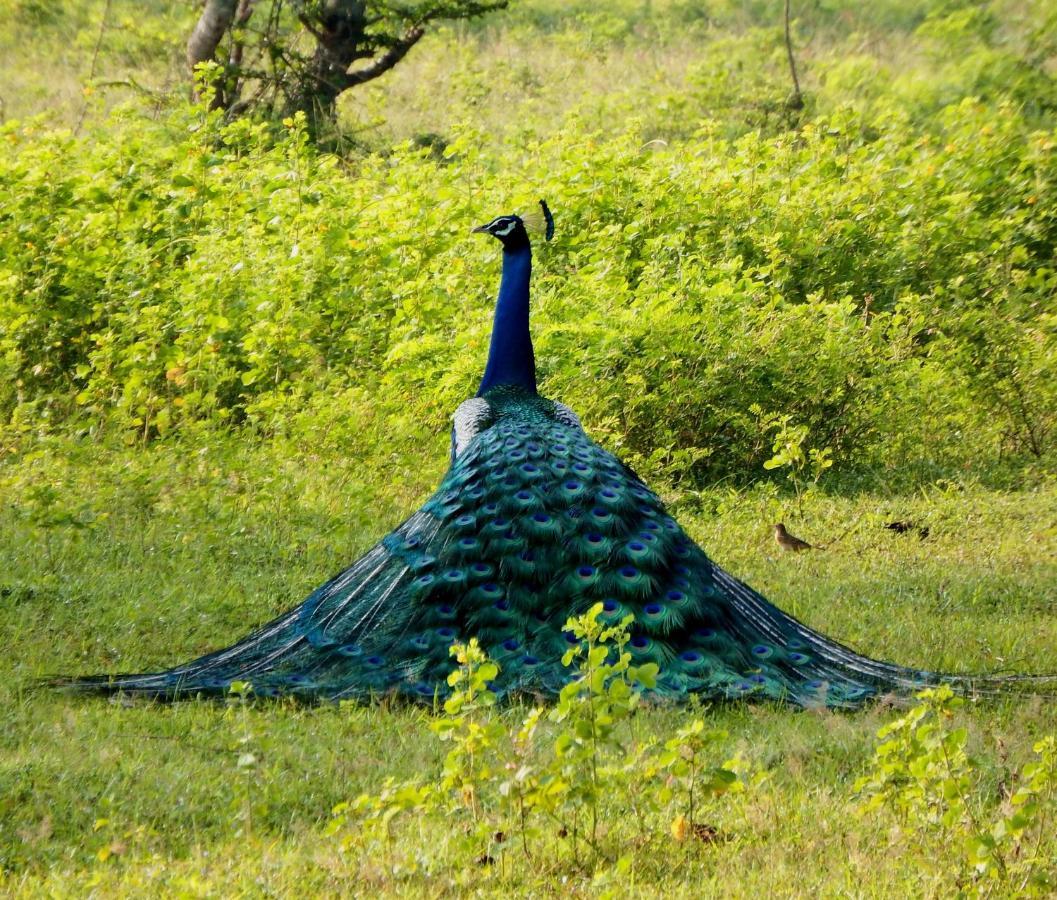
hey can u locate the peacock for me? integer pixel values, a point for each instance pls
(533, 523)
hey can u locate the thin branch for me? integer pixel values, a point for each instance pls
(238, 45)
(310, 27)
(242, 17)
(387, 60)
(796, 101)
(95, 59)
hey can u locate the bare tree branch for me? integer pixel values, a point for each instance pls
(796, 100)
(242, 16)
(387, 60)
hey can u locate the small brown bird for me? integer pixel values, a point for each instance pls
(789, 541)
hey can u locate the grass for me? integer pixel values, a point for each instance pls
(178, 552)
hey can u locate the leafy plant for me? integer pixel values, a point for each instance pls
(805, 466)
(522, 790)
(586, 785)
(1008, 851)
(592, 708)
(684, 757)
(247, 803)
(237, 276)
(470, 763)
(922, 773)
(920, 770)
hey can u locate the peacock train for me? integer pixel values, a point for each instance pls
(534, 523)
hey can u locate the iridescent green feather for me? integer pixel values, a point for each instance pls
(535, 523)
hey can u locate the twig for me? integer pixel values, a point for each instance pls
(91, 68)
(796, 101)
(242, 18)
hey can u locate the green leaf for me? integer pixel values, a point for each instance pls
(646, 675)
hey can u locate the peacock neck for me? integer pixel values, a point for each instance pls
(510, 358)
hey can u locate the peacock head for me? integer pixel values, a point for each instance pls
(511, 230)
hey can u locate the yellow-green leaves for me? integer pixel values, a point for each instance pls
(922, 774)
(880, 285)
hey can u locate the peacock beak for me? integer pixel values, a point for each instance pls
(480, 229)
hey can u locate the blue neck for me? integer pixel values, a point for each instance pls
(510, 359)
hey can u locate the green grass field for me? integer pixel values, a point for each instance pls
(186, 551)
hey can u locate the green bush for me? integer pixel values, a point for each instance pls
(877, 272)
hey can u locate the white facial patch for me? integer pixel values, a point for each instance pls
(505, 231)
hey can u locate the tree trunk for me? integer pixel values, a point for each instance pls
(339, 29)
(209, 31)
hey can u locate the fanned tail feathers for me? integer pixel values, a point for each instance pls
(533, 524)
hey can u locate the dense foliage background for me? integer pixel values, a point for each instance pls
(873, 273)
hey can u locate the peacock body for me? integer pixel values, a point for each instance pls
(534, 523)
